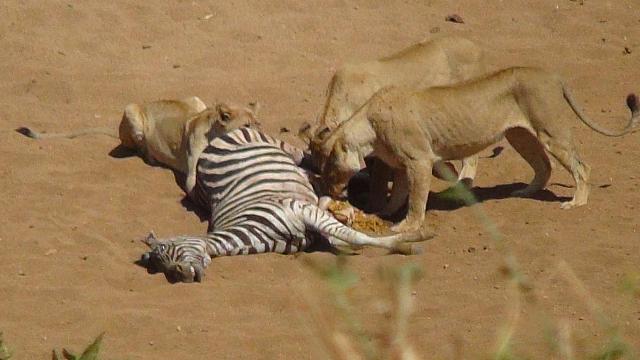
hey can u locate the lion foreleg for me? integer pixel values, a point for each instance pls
(418, 173)
(195, 144)
(190, 180)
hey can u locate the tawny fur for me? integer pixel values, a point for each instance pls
(169, 132)
(175, 135)
(412, 130)
(442, 61)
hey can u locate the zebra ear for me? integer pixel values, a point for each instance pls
(151, 240)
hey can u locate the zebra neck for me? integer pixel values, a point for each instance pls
(233, 241)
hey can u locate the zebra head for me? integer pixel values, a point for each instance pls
(181, 259)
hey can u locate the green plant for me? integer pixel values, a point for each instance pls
(344, 336)
(5, 354)
(90, 353)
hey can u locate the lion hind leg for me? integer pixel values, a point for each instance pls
(528, 146)
(195, 103)
(568, 157)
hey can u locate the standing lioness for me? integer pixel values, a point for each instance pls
(441, 61)
(411, 131)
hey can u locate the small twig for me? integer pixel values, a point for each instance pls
(564, 341)
(506, 336)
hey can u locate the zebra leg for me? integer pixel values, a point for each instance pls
(321, 221)
(344, 248)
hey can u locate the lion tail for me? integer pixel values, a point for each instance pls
(632, 103)
(28, 132)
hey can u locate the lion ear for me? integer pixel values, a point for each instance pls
(151, 240)
(254, 107)
(323, 134)
(305, 132)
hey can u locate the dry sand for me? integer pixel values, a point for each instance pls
(71, 215)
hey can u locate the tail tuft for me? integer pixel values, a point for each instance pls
(632, 103)
(27, 132)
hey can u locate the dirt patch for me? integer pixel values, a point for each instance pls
(71, 216)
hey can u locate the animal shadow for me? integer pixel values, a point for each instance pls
(447, 200)
(144, 264)
(122, 152)
(495, 152)
(440, 201)
(190, 206)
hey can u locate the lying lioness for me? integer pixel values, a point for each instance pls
(412, 130)
(169, 132)
(178, 142)
(442, 61)
(149, 127)
(131, 125)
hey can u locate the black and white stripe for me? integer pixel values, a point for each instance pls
(260, 201)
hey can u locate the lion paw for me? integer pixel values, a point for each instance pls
(571, 204)
(406, 226)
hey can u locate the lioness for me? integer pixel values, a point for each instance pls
(146, 128)
(131, 126)
(169, 132)
(411, 130)
(178, 142)
(441, 61)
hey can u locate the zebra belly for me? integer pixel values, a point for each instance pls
(265, 226)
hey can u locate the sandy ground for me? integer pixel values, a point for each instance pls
(71, 215)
